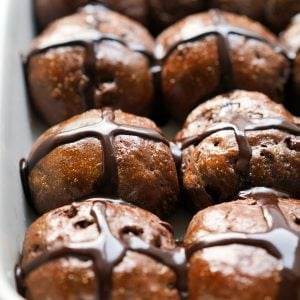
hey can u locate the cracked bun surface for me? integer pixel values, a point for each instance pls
(92, 59)
(104, 153)
(73, 277)
(209, 53)
(218, 165)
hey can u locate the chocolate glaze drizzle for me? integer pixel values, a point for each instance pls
(105, 130)
(222, 29)
(106, 252)
(240, 125)
(280, 241)
(89, 43)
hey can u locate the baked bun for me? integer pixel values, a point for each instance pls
(97, 247)
(246, 249)
(213, 52)
(238, 140)
(92, 59)
(104, 153)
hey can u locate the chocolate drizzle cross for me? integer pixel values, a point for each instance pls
(89, 42)
(240, 125)
(280, 241)
(106, 252)
(105, 130)
(222, 30)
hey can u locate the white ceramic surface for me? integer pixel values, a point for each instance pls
(18, 130)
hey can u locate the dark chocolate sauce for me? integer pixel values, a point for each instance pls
(106, 252)
(227, 80)
(240, 125)
(105, 130)
(23, 166)
(280, 241)
(222, 30)
(177, 155)
(89, 43)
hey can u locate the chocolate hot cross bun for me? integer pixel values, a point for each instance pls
(238, 140)
(246, 249)
(92, 59)
(102, 153)
(98, 249)
(213, 52)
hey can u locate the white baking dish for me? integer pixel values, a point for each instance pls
(18, 131)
